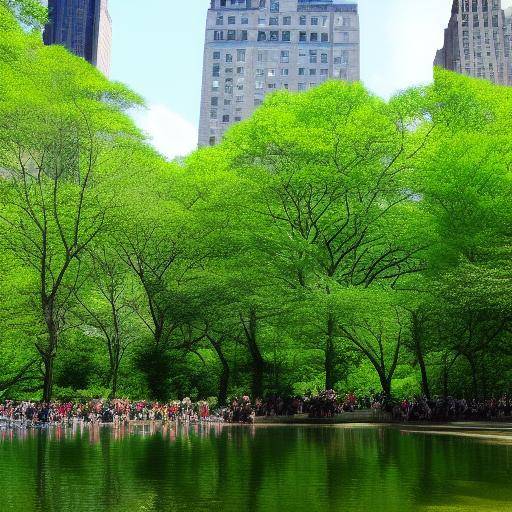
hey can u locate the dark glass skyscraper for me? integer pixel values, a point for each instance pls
(83, 27)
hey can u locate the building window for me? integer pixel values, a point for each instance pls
(323, 58)
(231, 20)
(325, 38)
(274, 20)
(302, 71)
(314, 20)
(271, 86)
(238, 118)
(240, 55)
(228, 86)
(213, 114)
(218, 35)
(260, 72)
(259, 85)
(302, 20)
(285, 56)
(219, 20)
(244, 20)
(216, 55)
(302, 87)
(231, 35)
(240, 71)
(313, 56)
(274, 6)
(244, 35)
(216, 70)
(215, 85)
(324, 72)
(262, 36)
(228, 71)
(312, 72)
(274, 35)
(215, 101)
(257, 102)
(225, 118)
(212, 141)
(303, 37)
(287, 20)
(286, 36)
(229, 57)
(271, 72)
(313, 37)
(284, 72)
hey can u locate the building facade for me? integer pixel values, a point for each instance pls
(84, 27)
(477, 41)
(254, 47)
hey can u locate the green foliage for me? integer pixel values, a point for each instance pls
(332, 240)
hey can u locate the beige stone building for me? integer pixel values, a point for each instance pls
(254, 47)
(477, 41)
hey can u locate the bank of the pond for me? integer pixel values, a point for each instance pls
(360, 416)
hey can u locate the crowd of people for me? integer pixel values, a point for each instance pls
(452, 409)
(242, 410)
(115, 412)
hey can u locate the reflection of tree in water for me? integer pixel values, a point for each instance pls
(248, 468)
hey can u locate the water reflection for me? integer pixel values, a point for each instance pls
(222, 468)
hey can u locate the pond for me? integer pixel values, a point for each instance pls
(262, 468)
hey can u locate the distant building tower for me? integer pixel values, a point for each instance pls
(84, 27)
(254, 47)
(477, 41)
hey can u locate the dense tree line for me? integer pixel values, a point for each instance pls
(334, 240)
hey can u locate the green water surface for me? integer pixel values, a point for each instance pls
(274, 468)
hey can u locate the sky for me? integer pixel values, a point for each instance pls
(158, 52)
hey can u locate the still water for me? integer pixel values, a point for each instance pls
(274, 468)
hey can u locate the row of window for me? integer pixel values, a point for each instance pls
(276, 35)
(314, 21)
(474, 4)
(284, 56)
(273, 72)
(476, 20)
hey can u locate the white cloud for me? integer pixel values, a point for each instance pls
(170, 133)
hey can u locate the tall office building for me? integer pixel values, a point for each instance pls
(254, 47)
(477, 41)
(84, 27)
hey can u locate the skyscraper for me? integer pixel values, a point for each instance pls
(253, 47)
(477, 41)
(84, 27)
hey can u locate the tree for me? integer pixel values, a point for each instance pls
(333, 167)
(105, 307)
(53, 145)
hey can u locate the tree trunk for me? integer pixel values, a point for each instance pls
(474, 376)
(48, 377)
(417, 332)
(258, 363)
(48, 353)
(113, 391)
(385, 382)
(330, 354)
(225, 373)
